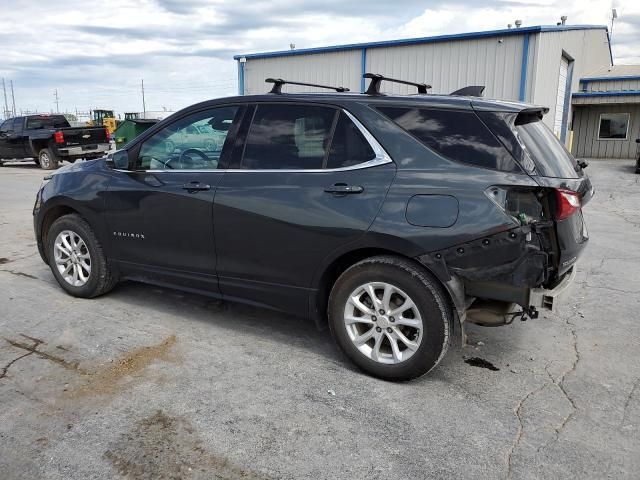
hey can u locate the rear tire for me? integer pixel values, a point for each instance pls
(76, 258)
(401, 344)
(47, 159)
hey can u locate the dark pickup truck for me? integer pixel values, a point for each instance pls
(49, 139)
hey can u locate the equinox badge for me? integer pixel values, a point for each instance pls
(129, 235)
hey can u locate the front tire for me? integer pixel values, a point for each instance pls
(391, 317)
(76, 258)
(47, 160)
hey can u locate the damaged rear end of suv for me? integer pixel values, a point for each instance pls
(500, 206)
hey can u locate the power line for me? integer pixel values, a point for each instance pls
(144, 105)
(7, 114)
(13, 100)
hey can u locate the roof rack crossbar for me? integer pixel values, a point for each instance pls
(377, 79)
(279, 82)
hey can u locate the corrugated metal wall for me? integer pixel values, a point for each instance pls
(626, 99)
(334, 68)
(586, 125)
(495, 62)
(613, 85)
(451, 65)
(588, 48)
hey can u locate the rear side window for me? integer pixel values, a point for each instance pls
(544, 148)
(348, 147)
(292, 137)
(457, 135)
(46, 122)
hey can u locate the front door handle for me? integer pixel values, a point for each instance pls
(344, 189)
(196, 186)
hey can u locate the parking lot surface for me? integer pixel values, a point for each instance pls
(152, 383)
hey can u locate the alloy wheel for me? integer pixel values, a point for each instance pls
(45, 160)
(383, 322)
(72, 258)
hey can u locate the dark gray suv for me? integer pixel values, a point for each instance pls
(387, 217)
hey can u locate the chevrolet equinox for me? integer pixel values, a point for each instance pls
(387, 217)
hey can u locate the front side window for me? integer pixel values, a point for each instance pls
(613, 126)
(294, 137)
(457, 135)
(194, 142)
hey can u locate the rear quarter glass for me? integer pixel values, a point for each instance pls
(458, 135)
(552, 159)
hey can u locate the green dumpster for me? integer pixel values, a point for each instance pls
(130, 129)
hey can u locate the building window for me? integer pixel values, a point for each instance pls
(613, 126)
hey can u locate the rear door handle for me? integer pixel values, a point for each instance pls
(195, 186)
(344, 189)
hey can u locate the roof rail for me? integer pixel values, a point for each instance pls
(279, 82)
(470, 91)
(376, 80)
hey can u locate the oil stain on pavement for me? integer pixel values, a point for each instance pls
(482, 363)
(165, 447)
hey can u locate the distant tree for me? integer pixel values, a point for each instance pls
(70, 117)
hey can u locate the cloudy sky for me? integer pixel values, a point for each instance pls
(96, 52)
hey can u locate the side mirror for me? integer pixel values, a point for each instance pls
(120, 160)
(637, 140)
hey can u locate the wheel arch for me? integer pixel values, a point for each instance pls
(50, 216)
(60, 206)
(37, 145)
(318, 300)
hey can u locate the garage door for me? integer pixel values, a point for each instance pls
(560, 100)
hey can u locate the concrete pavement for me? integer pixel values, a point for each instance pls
(152, 383)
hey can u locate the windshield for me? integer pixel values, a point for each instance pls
(548, 153)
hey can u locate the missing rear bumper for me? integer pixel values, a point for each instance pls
(544, 299)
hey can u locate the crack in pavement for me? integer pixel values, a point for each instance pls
(20, 274)
(36, 342)
(620, 290)
(6, 368)
(33, 350)
(517, 411)
(558, 383)
(628, 401)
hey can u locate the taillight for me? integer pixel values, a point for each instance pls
(568, 203)
(58, 137)
(106, 131)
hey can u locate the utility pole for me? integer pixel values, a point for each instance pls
(144, 105)
(6, 105)
(55, 94)
(13, 100)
